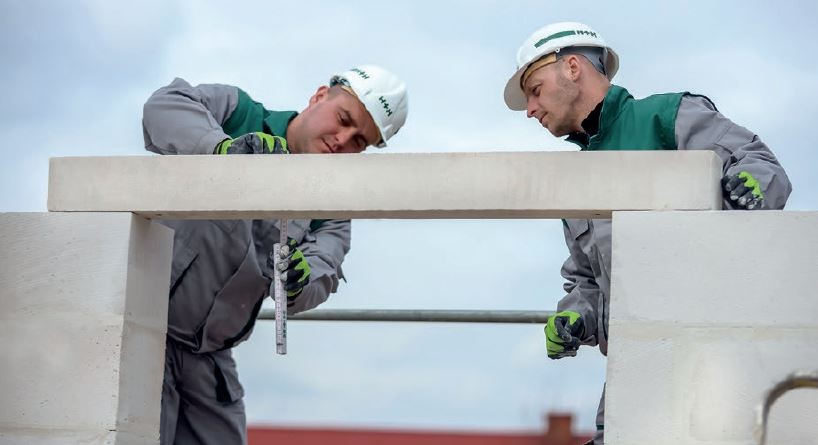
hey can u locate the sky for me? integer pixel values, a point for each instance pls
(76, 73)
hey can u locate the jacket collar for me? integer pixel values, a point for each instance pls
(277, 121)
(605, 113)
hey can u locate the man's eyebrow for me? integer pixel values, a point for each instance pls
(529, 86)
(354, 123)
(349, 117)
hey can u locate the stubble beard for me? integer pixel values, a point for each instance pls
(568, 101)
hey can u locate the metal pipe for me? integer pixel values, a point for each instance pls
(796, 380)
(434, 316)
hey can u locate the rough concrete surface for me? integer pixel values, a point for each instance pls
(83, 313)
(709, 310)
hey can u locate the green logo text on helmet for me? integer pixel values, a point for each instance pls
(384, 96)
(551, 39)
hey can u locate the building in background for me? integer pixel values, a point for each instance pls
(558, 431)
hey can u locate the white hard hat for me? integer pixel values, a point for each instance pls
(549, 39)
(383, 95)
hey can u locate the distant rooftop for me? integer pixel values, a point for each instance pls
(558, 431)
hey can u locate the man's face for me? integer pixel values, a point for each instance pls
(335, 121)
(552, 98)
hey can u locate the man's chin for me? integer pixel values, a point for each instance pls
(320, 148)
(554, 131)
(558, 132)
(316, 150)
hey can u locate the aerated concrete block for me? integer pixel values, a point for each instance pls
(709, 310)
(405, 185)
(83, 317)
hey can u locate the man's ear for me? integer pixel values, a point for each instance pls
(320, 94)
(572, 62)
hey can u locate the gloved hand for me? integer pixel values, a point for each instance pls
(563, 334)
(253, 143)
(744, 189)
(294, 268)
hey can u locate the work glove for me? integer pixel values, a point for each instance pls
(744, 190)
(563, 334)
(294, 268)
(253, 143)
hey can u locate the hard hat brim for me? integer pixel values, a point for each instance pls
(515, 97)
(513, 94)
(382, 142)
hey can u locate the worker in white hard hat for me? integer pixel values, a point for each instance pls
(221, 269)
(563, 80)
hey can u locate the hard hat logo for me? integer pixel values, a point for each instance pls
(564, 34)
(555, 38)
(361, 72)
(383, 95)
(385, 106)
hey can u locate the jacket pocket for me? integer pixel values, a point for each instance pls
(233, 306)
(228, 388)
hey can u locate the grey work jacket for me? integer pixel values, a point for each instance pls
(698, 126)
(219, 273)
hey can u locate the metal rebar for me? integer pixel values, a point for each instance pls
(434, 316)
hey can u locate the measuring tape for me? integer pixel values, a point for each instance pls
(277, 289)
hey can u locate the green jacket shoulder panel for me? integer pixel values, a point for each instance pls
(637, 124)
(251, 116)
(248, 116)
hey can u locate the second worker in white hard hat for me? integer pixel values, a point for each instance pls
(220, 269)
(563, 80)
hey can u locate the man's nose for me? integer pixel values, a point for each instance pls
(344, 136)
(531, 107)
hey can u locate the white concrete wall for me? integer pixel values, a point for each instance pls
(708, 311)
(83, 313)
(418, 185)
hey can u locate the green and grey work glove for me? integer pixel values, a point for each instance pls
(253, 143)
(563, 334)
(294, 268)
(744, 190)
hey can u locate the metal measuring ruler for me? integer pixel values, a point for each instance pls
(279, 295)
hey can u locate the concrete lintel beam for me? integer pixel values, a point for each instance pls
(401, 186)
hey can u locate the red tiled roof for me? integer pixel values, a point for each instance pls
(559, 433)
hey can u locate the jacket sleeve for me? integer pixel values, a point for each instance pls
(699, 126)
(583, 295)
(182, 119)
(324, 249)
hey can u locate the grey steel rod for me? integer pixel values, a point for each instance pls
(434, 316)
(796, 380)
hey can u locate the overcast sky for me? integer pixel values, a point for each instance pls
(76, 73)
